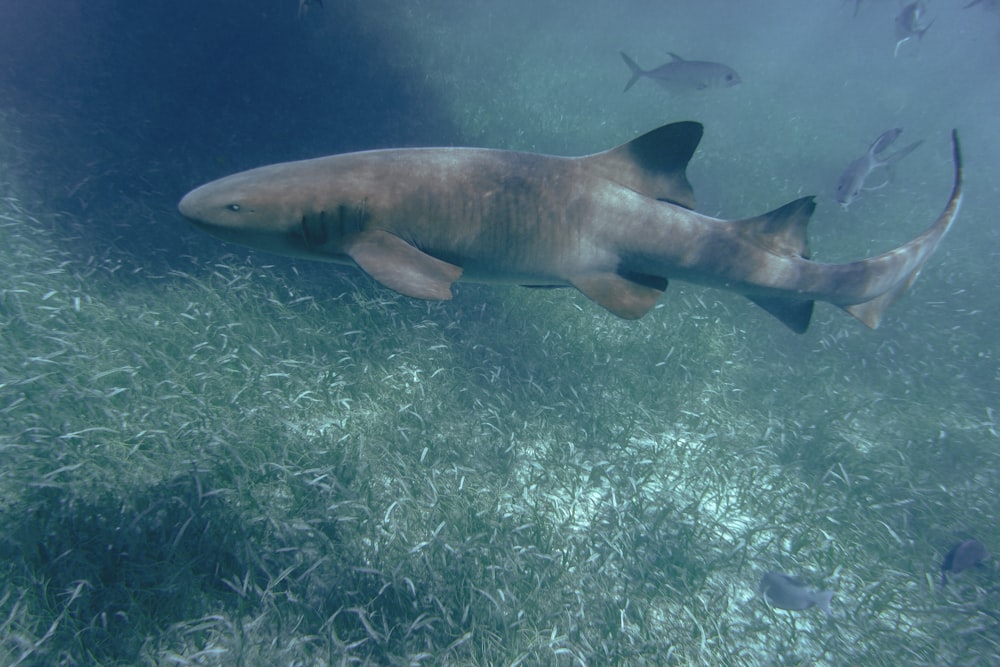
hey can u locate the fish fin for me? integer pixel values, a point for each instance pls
(888, 180)
(783, 230)
(823, 600)
(654, 164)
(901, 153)
(627, 296)
(637, 71)
(793, 314)
(400, 266)
(674, 57)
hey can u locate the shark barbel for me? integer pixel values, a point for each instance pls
(615, 225)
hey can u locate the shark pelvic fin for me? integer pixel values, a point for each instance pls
(400, 266)
(628, 297)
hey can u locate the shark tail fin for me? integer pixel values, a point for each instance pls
(912, 256)
(783, 232)
(637, 71)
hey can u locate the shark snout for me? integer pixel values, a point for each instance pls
(189, 207)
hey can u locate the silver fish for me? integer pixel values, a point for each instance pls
(681, 75)
(787, 592)
(852, 181)
(909, 24)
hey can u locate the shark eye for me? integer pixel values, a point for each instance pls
(235, 208)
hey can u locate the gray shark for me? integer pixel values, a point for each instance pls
(681, 75)
(615, 225)
(852, 180)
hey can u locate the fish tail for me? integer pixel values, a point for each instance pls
(901, 153)
(637, 71)
(883, 142)
(823, 600)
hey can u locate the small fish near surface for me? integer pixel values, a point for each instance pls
(787, 592)
(615, 225)
(852, 181)
(909, 24)
(681, 75)
(962, 556)
(306, 5)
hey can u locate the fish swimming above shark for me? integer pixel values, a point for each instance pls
(852, 181)
(616, 225)
(681, 75)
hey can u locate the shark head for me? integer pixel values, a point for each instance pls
(290, 209)
(242, 208)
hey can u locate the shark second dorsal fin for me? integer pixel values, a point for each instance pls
(783, 230)
(654, 164)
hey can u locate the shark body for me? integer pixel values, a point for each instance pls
(615, 225)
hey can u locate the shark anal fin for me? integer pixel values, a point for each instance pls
(400, 266)
(793, 314)
(628, 297)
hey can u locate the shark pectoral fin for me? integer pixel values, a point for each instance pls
(402, 267)
(793, 314)
(628, 297)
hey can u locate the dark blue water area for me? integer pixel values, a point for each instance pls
(142, 101)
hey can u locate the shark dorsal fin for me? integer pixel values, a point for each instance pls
(654, 164)
(783, 230)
